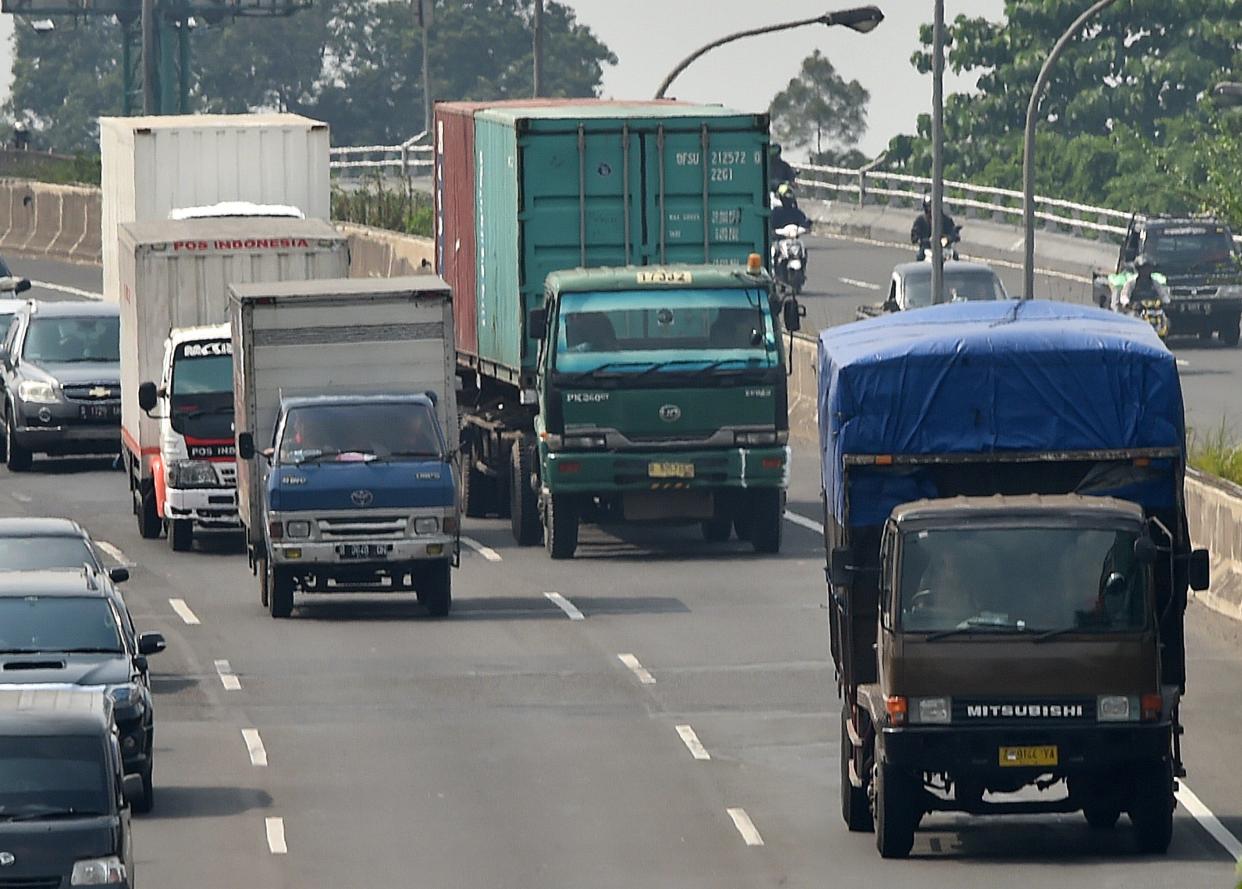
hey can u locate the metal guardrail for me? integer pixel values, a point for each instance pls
(410, 158)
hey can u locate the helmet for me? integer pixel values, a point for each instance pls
(1144, 263)
(774, 149)
(785, 192)
(926, 201)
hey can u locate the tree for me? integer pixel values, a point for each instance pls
(819, 110)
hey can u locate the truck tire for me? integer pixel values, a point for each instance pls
(1151, 808)
(16, 458)
(896, 812)
(279, 591)
(560, 530)
(768, 520)
(149, 525)
(717, 530)
(478, 491)
(855, 807)
(180, 535)
(1229, 334)
(523, 502)
(433, 583)
(146, 803)
(1101, 814)
(262, 572)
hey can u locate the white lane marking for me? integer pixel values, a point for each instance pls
(865, 285)
(227, 677)
(692, 742)
(1182, 362)
(64, 288)
(565, 605)
(1209, 822)
(254, 746)
(184, 612)
(804, 522)
(637, 669)
(745, 827)
(114, 551)
(485, 551)
(276, 836)
(20, 497)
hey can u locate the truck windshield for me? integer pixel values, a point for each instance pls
(1189, 247)
(44, 776)
(73, 339)
(202, 390)
(352, 432)
(664, 329)
(959, 286)
(1021, 579)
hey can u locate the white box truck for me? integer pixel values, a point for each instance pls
(346, 436)
(151, 166)
(176, 373)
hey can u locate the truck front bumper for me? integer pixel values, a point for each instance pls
(213, 508)
(377, 555)
(613, 472)
(1188, 314)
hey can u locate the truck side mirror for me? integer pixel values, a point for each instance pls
(245, 445)
(840, 566)
(538, 323)
(1199, 571)
(792, 314)
(22, 285)
(148, 397)
(118, 574)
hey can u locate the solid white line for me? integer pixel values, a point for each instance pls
(565, 605)
(276, 836)
(804, 522)
(1182, 362)
(20, 497)
(865, 285)
(63, 288)
(485, 551)
(692, 742)
(114, 551)
(254, 746)
(745, 827)
(637, 669)
(1209, 822)
(227, 677)
(184, 612)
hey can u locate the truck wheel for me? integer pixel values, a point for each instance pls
(896, 812)
(279, 591)
(717, 530)
(1151, 809)
(560, 531)
(434, 585)
(1101, 814)
(144, 805)
(742, 526)
(17, 458)
(149, 525)
(855, 807)
(263, 597)
(523, 502)
(180, 535)
(478, 494)
(767, 520)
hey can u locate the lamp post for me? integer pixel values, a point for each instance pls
(862, 19)
(1028, 151)
(537, 49)
(937, 195)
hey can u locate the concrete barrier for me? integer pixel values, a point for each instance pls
(376, 253)
(1214, 511)
(50, 220)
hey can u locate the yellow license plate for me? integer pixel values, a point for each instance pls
(1045, 755)
(670, 470)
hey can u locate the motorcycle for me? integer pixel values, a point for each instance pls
(1152, 311)
(789, 257)
(948, 246)
(1106, 288)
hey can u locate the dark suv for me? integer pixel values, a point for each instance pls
(64, 820)
(60, 371)
(64, 628)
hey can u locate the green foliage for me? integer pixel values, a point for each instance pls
(81, 169)
(819, 110)
(1217, 453)
(400, 209)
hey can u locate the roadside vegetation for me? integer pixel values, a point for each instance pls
(81, 169)
(1217, 453)
(398, 208)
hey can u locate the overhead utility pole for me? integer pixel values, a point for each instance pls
(538, 48)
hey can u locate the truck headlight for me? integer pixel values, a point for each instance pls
(98, 872)
(584, 442)
(931, 711)
(1116, 708)
(37, 392)
(191, 474)
(754, 439)
(426, 525)
(297, 529)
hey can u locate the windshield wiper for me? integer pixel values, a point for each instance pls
(51, 812)
(190, 415)
(21, 651)
(427, 454)
(974, 626)
(90, 651)
(589, 374)
(315, 458)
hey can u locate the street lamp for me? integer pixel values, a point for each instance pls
(862, 19)
(1028, 151)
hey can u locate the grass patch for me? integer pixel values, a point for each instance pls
(81, 169)
(1217, 453)
(400, 209)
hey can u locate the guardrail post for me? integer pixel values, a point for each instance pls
(862, 187)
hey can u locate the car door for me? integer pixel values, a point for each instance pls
(11, 338)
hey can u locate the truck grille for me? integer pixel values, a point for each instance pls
(93, 393)
(228, 474)
(1024, 711)
(30, 883)
(362, 526)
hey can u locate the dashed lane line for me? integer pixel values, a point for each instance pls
(565, 605)
(20, 497)
(692, 742)
(803, 522)
(115, 552)
(485, 551)
(227, 677)
(865, 285)
(64, 288)
(745, 827)
(254, 746)
(276, 836)
(184, 612)
(637, 669)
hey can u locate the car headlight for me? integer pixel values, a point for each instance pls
(931, 711)
(37, 392)
(297, 529)
(127, 699)
(191, 474)
(426, 525)
(584, 442)
(98, 872)
(1116, 708)
(753, 439)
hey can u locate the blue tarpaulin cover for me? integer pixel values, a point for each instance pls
(980, 377)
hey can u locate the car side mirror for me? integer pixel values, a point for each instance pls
(119, 574)
(22, 286)
(1199, 570)
(245, 445)
(538, 323)
(792, 314)
(151, 643)
(131, 789)
(1145, 551)
(148, 397)
(841, 569)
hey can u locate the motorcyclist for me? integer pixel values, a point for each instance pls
(921, 230)
(1142, 286)
(786, 211)
(779, 170)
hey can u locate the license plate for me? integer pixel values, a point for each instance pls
(670, 470)
(1196, 308)
(362, 551)
(1018, 757)
(100, 411)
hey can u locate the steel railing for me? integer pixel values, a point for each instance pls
(410, 158)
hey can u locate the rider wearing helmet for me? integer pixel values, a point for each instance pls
(786, 211)
(1142, 286)
(921, 231)
(779, 170)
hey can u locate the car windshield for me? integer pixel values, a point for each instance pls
(34, 553)
(52, 774)
(678, 330)
(58, 624)
(1188, 247)
(1037, 579)
(959, 286)
(73, 339)
(346, 432)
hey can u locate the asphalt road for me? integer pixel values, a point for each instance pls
(511, 746)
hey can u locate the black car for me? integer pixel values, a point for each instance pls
(63, 627)
(60, 371)
(64, 819)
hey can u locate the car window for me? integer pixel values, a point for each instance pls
(10, 338)
(35, 553)
(58, 624)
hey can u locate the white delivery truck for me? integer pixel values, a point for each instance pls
(151, 166)
(346, 436)
(176, 373)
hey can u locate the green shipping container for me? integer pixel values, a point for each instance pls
(591, 184)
